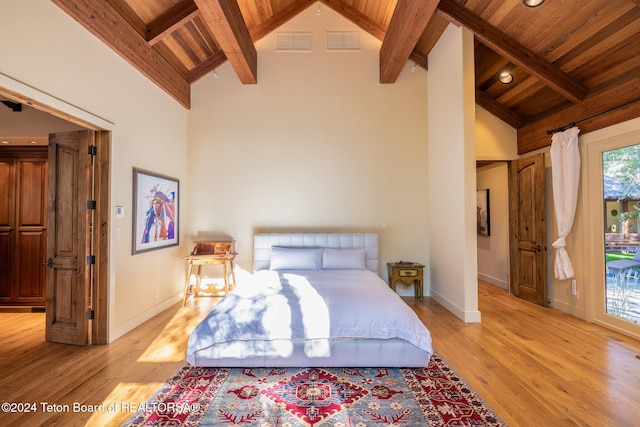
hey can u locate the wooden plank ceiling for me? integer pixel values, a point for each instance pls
(569, 60)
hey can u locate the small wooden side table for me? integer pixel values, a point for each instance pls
(407, 273)
(210, 253)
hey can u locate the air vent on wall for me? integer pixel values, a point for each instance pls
(343, 41)
(300, 42)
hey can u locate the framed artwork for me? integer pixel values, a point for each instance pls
(482, 212)
(155, 211)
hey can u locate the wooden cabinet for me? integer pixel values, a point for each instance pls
(23, 212)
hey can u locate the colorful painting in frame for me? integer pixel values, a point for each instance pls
(155, 211)
(482, 212)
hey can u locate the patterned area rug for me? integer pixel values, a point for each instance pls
(308, 397)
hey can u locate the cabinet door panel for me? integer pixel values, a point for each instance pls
(32, 208)
(6, 194)
(6, 226)
(30, 270)
(5, 266)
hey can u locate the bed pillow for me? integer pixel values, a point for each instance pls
(343, 259)
(295, 258)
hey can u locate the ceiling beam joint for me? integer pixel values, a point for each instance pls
(224, 20)
(408, 22)
(171, 20)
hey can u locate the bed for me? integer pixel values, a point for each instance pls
(314, 300)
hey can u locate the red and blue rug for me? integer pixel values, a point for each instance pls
(309, 397)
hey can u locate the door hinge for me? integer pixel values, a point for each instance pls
(91, 204)
(91, 314)
(91, 259)
(93, 150)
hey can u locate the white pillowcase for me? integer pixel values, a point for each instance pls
(295, 258)
(343, 259)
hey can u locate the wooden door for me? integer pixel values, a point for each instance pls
(69, 237)
(527, 226)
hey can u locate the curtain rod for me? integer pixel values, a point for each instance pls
(572, 124)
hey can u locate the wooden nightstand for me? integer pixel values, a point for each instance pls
(407, 273)
(212, 252)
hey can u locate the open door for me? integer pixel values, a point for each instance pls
(527, 229)
(69, 226)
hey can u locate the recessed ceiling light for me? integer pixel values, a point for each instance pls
(5, 142)
(33, 142)
(532, 3)
(505, 77)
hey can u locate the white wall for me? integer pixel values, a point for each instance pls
(451, 173)
(317, 145)
(45, 52)
(495, 140)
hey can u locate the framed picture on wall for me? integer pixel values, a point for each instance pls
(155, 211)
(482, 212)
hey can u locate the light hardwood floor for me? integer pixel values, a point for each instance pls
(534, 366)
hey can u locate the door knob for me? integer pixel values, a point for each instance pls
(48, 262)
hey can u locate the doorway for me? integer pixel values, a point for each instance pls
(493, 247)
(99, 280)
(516, 266)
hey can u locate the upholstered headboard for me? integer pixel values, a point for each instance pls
(263, 242)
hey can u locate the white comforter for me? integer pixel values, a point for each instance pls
(278, 310)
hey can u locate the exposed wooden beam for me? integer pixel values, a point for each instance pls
(207, 66)
(420, 59)
(124, 9)
(171, 20)
(352, 14)
(104, 22)
(433, 33)
(508, 116)
(435, 28)
(535, 65)
(257, 32)
(224, 20)
(534, 135)
(408, 22)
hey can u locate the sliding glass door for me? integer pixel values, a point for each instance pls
(621, 204)
(612, 169)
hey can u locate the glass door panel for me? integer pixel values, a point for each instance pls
(621, 204)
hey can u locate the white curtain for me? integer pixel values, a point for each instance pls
(565, 169)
